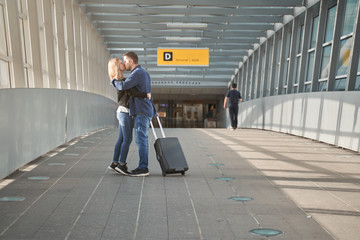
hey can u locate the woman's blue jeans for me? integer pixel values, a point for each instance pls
(125, 137)
(142, 123)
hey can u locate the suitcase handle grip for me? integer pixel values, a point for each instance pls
(161, 129)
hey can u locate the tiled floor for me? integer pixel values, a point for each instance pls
(238, 181)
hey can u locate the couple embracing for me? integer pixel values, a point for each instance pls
(135, 102)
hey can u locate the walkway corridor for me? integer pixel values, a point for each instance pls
(238, 184)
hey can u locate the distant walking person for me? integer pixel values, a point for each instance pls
(234, 97)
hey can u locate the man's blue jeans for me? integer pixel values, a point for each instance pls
(125, 137)
(142, 123)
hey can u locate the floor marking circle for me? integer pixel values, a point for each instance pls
(241, 199)
(225, 178)
(266, 232)
(71, 154)
(39, 178)
(215, 164)
(12, 199)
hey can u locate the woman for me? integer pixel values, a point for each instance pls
(116, 68)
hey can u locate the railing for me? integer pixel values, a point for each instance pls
(178, 123)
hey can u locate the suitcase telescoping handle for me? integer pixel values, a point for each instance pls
(153, 129)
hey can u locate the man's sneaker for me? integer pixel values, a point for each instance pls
(122, 168)
(113, 166)
(140, 172)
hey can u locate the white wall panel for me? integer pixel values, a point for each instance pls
(331, 117)
(312, 116)
(296, 116)
(329, 120)
(34, 121)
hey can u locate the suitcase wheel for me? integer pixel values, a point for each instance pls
(164, 174)
(183, 173)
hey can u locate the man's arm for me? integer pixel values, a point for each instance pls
(130, 81)
(225, 101)
(122, 85)
(135, 93)
(240, 98)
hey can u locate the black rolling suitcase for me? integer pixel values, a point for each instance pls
(169, 153)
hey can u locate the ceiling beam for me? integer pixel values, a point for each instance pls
(281, 3)
(203, 19)
(163, 26)
(227, 11)
(200, 79)
(211, 64)
(117, 39)
(156, 45)
(247, 34)
(225, 52)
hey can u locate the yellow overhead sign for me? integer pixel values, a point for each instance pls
(183, 57)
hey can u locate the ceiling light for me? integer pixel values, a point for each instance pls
(187, 25)
(183, 39)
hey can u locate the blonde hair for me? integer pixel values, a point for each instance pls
(114, 68)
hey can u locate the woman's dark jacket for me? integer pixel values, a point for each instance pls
(124, 95)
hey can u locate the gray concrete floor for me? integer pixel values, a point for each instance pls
(305, 189)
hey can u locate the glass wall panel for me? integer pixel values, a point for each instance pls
(24, 40)
(286, 67)
(4, 65)
(325, 62)
(297, 72)
(357, 84)
(4, 74)
(322, 86)
(310, 67)
(262, 76)
(277, 46)
(301, 38)
(314, 31)
(3, 45)
(340, 84)
(267, 79)
(330, 24)
(350, 15)
(346, 43)
(344, 56)
(307, 87)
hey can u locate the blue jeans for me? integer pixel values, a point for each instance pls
(142, 123)
(125, 137)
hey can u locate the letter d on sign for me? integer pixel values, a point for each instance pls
(168, 56)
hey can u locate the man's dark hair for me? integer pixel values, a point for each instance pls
(234, 85)
(133, 56)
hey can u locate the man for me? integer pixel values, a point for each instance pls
(141, 109)
(234, 98)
